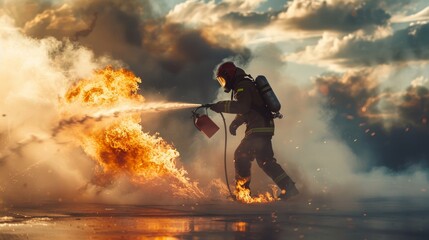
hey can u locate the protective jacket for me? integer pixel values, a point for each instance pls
(249, 107)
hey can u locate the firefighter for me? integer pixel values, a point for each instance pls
(251, 109)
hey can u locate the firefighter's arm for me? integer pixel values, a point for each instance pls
(241, 106)
(237, 122)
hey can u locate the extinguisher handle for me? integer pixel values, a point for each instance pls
(278, 115)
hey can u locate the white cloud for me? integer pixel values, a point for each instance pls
(421, 16)
(359, 50)
(321, 53)
(419, 81)
(199, 13)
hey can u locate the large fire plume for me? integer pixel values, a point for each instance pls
(117, 142)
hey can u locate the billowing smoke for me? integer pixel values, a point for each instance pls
(35, 73)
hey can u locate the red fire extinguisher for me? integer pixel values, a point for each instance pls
(203, 123)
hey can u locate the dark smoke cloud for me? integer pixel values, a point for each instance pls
(404, 45)
(87, 31)
(253, 19)
(341, 16)
(23, 11)
(415, 106)
(382, 128)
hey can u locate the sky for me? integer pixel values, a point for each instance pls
(352, 77)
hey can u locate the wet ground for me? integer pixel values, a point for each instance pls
(367, 219)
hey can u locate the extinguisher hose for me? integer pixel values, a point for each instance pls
(195, 116)
(224, 158)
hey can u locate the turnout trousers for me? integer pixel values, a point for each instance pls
(259, 147)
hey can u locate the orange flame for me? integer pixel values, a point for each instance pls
(118, 144)
(242, 194)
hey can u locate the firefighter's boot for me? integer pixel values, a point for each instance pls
(280, 177)
(288, 189)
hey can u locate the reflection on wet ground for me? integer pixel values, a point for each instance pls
(369, 219)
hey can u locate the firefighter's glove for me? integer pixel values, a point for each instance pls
(233, 128)
(217, 107)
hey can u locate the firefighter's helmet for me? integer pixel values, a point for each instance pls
(225, 75)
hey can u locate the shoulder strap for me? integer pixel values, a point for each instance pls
(248, 76)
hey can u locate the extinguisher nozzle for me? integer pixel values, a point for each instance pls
(207, 105)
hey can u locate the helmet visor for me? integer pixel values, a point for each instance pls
(221, 81)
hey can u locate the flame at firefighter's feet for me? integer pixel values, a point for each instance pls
(242, 194)
(93, 109)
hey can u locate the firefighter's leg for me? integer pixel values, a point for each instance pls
(266, 161)
(280, 177)
(242, 163)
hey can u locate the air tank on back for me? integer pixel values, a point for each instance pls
(268, 95)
